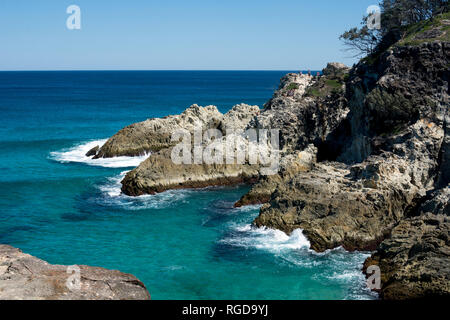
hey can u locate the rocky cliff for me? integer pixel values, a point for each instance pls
(381, 180)
(414, 260)
(24, 277)
(364, 161)
(306, 110)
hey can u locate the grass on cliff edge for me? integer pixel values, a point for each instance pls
(325, 86)
(421, 32)
(417, 34)
(292, 86)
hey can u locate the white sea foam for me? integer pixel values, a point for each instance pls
(266, 239)
(113, 196)
(346, 276)
(112, 188)
(347, 269)
(252, 207)
(78, 154)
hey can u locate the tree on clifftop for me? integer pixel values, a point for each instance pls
(396, 15)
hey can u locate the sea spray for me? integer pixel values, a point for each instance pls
(77, 154)
(272, 240)
(294, 250)
(111, 195)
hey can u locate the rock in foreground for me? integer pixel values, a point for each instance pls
(24, 277)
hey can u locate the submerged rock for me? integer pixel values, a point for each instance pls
(24, 277)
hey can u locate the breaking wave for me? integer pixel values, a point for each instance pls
(78, 154)
(295, 251)
(113, 196)
(271, 240)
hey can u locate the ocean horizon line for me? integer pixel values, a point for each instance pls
(168, 70)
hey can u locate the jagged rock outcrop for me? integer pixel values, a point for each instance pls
(159, 173)
(392, 149)
(290, 166)
(93, 151)
(385, 97)
(414, 261)
(356, 206)
(335, 70)
(24, 277)
(238, 117)
(290, 104)
(155, 134)
(305, 109)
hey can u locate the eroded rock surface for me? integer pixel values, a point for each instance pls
(24, 277)
(414, 261)
(305, 109)
(155, 134)
(392, 149)
(159, 173)
(364, 162)
(290, 165)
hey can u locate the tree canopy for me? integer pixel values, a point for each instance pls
(395, 16)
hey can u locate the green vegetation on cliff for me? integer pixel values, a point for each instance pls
(434, 29)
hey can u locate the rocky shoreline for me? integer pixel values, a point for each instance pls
(364, 162)
(24, 277)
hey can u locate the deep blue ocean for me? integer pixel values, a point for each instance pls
(188, 244)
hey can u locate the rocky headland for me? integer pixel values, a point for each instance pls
(155, 134)
(24, 277)
(364, 161)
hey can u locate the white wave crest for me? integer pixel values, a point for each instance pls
(112, 188)
(267, 239)
(113, 196)
(78, 154)
(249, 208)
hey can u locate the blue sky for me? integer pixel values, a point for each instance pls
(176, 35)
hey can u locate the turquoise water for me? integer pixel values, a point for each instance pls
(187, 244)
